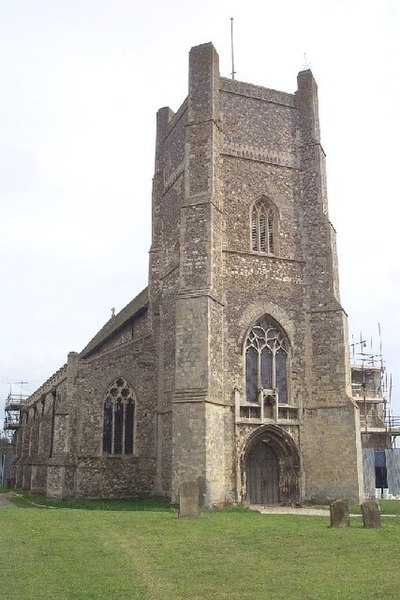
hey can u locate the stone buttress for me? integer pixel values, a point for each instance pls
(186, 284)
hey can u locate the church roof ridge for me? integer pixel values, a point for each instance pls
(116, 321)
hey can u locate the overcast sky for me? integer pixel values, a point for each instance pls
(81, 81)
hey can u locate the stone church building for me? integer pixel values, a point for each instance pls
(232, 366)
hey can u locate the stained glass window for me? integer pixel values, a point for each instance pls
(266, 360)
(119, 419)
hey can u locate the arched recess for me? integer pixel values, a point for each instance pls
(270, 467)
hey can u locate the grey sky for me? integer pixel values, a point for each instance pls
(81, 82)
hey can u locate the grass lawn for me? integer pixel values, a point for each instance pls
(388, 507)
(25, 500)
(79, 554)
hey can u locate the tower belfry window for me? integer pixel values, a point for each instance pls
(262, 228)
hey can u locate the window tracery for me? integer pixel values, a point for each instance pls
(262, 227)
(119, 418)
(266, 361)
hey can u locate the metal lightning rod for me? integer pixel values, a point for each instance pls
(233, 62)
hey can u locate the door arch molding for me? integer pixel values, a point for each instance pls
(278, 443)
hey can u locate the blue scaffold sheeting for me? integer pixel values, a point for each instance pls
(393, 470)
(369, 471)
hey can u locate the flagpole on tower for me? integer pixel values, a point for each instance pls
(233, 62)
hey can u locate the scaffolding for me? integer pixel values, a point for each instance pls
(12, 409)
(372, 391)
(12, 421)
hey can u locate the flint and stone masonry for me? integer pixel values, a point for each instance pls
(231, 368)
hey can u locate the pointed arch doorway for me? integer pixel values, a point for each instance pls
(262, 475)
(271, 467)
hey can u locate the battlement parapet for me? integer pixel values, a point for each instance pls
(47, 386)
(257, 92)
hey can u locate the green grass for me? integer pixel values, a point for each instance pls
(388, 507)
(25, 500)
(126, 555)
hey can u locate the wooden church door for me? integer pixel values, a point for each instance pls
(262, 475)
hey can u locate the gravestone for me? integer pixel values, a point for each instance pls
(371, 514)
(340, 514)
(189, 506)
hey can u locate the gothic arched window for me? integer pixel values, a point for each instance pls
(266, 360)
(119, 418)
(262, 227)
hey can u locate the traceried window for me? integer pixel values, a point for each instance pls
(119, 418)
(266, 360)
(262, 228)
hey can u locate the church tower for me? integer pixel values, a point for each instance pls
(253, 376)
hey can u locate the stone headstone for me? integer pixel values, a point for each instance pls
(189, 506)
(371, 514)
(340, 514)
